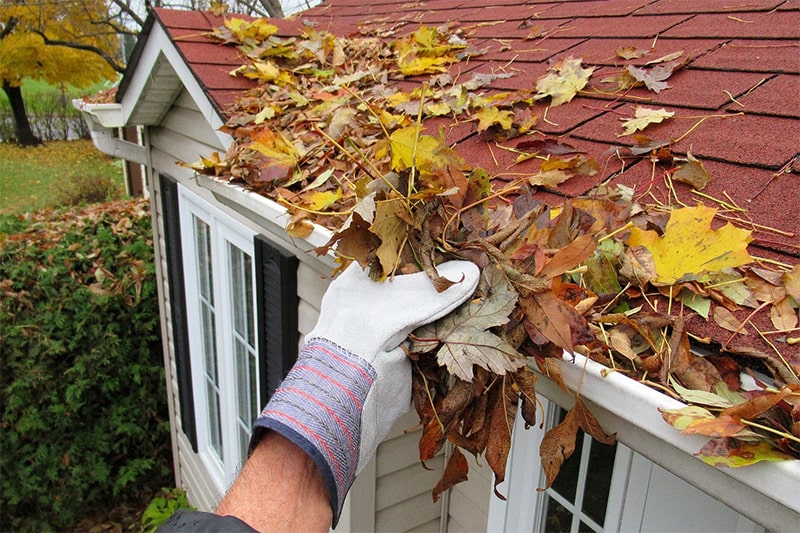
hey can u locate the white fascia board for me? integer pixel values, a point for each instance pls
(159, 44)
(766, 492)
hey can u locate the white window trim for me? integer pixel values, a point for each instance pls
(224, 229)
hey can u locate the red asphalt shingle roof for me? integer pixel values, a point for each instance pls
(745, 66)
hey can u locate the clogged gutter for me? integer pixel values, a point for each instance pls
(342, 132)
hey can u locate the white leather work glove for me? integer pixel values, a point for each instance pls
(352, 380)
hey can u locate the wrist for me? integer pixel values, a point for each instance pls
(280, 488)
(318, 407)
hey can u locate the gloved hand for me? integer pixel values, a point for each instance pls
(352, 381)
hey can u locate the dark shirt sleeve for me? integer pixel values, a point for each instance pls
(185, 520)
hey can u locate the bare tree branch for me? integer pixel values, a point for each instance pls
(80, 46)
(9, 27)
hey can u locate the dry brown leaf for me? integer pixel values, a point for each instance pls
(726, 319)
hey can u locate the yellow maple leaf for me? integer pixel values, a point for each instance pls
(257, 30)
(489, 116)
(643, 117)
(567, 78)
(689, 247)
(425, 152)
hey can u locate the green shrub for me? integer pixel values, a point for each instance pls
(86, 189)
(84, 422)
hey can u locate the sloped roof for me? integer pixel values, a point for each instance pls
(744, 66)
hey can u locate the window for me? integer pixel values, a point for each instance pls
(233, 309)
(600, 488)
(579, 496)
(219, 276)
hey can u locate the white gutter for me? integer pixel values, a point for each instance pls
(102, 121)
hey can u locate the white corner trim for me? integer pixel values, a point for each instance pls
(102, 121)
(632, 409)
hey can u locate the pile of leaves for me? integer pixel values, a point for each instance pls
(339, 131)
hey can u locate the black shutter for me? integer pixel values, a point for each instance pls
(177, 300)
(276, 296)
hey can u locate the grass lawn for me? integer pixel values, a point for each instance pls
(31, 178)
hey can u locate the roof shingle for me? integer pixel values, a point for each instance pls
(738, 93)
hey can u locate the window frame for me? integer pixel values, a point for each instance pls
(224, 231)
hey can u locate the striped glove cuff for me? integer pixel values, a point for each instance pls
(318, 407)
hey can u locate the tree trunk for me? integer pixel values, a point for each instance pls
(22, 125)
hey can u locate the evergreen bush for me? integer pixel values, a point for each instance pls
(84, 421)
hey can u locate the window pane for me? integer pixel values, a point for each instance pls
(242, 383)
(203, 244)
(243, 324)
(598, 480)
(242, 293)
(208, 332)
(558, 518)
(215, 428)
(255, 408)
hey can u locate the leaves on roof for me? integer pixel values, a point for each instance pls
(339, 131)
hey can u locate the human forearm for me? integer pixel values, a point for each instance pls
(279, 488)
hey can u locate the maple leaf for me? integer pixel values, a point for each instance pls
(654, 79)
(689, 247)
(567, 78)
(631, 52)
(425, 152)
(644, 116)
(389, 225)
(489, 116)
(465, 336)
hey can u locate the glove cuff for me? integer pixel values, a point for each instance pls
(318, 407)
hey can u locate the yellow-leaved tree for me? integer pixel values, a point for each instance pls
(56, 42)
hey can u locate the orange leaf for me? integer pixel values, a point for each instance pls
(455, 472)
(720, 426)
(502, 420)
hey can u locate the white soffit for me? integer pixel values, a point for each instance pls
(157, 80)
